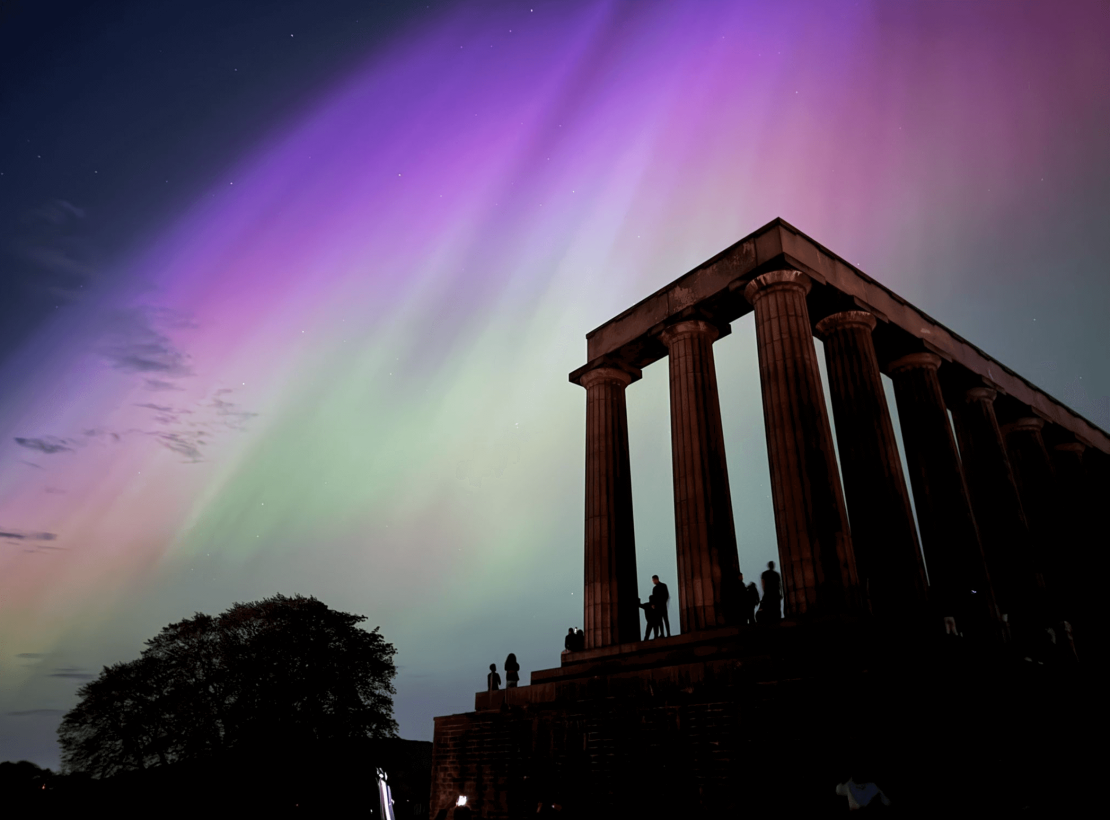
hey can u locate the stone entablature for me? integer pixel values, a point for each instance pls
(715, 289)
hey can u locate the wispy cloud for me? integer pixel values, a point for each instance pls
(187, 444)
(15, 535)
(160, 384)
(31, 655)
(136, 342)
(58, 212)
(51, 253)
(73, 672)
(229, 411)
(48, 445)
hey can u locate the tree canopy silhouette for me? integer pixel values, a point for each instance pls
(277, 676)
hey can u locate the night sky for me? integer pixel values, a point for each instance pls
(289, 291)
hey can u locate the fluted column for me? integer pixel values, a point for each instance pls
(1003, 529)
(705, 536)
(958, 582)
(815, 546)
(1079, 515)
(884, 539)
(1040, 498)
(611, 613)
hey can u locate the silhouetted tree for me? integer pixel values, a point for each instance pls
(275, 678)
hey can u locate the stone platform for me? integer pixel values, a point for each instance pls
(734, 720)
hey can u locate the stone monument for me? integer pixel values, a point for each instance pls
(965, 675)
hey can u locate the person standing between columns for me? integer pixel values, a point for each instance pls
(751, 601)
(770, 607)
(705, 536)
(815, 545)
(611, 613)
(959, 586)
(660, 597)
(884, 537)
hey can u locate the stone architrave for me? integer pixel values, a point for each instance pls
(815, 545)
(611, 612)
(958, 581)
(1040, 498)
(1003, 528)
(884, 538)
(705, 535)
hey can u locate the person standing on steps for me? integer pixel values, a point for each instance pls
(493, 680)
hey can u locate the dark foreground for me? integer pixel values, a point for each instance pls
(767, 723)
(281, 783)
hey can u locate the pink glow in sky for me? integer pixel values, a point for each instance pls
(342, 371)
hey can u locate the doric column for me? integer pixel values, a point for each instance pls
(815, 546)
(704, 533)
(611, 613)
(1040, 498)
(958, 582)
(1079, 515)
(1003, 529)
(884, 539)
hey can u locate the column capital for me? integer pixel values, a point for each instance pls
(848, 318)
(776, 280)
(927, 361)
(980, 394)
(1071, 447)
(605, 374)
(1028, 423)
(668, 334)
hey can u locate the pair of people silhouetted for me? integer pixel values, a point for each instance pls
(749, 597)
(655, 610)
(575, 641)
(512, 674)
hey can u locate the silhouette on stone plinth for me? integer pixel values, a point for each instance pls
(770, 605)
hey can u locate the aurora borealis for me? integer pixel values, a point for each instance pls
(332, 361)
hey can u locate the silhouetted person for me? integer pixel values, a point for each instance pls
(654, 622)
(570, 641)
(660, 595)
(749, 600)
(770, 607)
(752, 601)
(493, 679)
(512, 668)
(579, 640)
